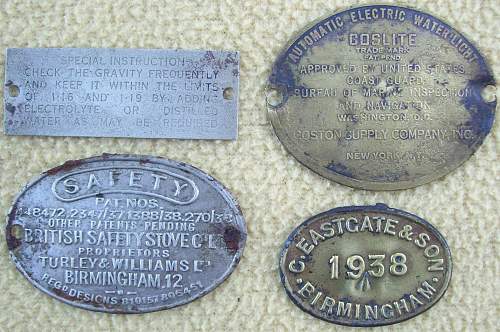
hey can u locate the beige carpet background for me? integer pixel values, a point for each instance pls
(276, 193)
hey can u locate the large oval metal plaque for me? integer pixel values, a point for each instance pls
(381, 98)
(365, 266)
(125, 234)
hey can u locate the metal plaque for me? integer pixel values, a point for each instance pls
(125, 233)
(381, 97)
(365, 266)
(121, 93)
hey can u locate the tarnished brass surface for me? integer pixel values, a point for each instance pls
(381, 97)
(365, 266)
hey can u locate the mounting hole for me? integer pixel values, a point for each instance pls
(489, 93)
(13, 90)
(228, 93)
(17, 232)
(274, 97)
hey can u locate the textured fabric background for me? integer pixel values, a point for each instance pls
(275, 192)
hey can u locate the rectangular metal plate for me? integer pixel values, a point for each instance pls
(121, 93)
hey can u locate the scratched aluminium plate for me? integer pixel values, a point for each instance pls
(365, 266)
(121, 93)
(381, 97)
(125, 233)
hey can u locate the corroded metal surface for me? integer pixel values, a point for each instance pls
(125, 233)
(365, 266)
(381, 97)
(121, 93)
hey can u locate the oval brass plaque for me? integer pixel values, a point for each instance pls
(381, 97)
(365, 266)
